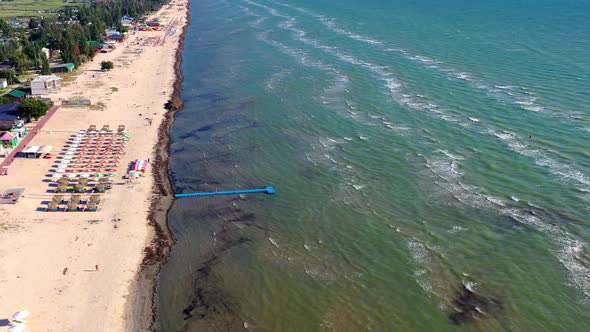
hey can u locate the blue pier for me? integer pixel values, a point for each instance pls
(268, 190)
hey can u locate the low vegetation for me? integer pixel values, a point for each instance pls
(30, 8)
(67, 33)
(106, 65)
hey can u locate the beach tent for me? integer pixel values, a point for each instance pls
(31, 151)
(45, 149)
(21, 316)
(17, 327)
(9, 140)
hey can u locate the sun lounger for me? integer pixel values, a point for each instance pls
(91, 207)
(95, 199)
(52, 207)
(80, 188)
(100, 188)
(75, 199)
(72, 206)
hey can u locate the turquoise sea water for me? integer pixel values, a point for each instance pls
(431, 160)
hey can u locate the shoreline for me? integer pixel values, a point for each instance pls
(144, 302)
(99, 267)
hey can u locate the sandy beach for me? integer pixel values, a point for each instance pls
(77, 271)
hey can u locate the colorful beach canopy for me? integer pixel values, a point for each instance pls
(7, 136)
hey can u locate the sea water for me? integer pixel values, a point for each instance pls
(425, 154)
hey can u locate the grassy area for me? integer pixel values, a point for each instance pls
(28, 8)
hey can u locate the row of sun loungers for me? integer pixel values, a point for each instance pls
(74, 204)
(106, 128)
(92, 153)
(84, 166)
(82, 185)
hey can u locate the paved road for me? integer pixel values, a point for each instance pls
(32, 133)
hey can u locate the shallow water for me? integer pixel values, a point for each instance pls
(416, 149)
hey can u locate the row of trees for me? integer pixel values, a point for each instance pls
(68, 32)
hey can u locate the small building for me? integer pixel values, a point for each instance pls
(6, 65)
(8, 115)
(16, 95)
(33, 151)
(97, 46)
(116, 37)
(45, 84)
(3, 83)
(30, 151)
(46, 51)
(9, 140)
(19, 129)
(62, 68)
(127, 20)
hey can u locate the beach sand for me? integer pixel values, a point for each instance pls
(77, 271)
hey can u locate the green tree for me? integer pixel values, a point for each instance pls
(33, 23)
(106, 65)
(33, 108)
(9, 75)
(21, 63)
(4, 100)
(45, 69)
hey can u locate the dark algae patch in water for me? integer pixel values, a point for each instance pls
(209, 305)
(470, 306)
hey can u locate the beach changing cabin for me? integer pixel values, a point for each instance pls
(3, 83)
(62, 68)
(45, 84)
(9, 140)
(19, 128)
(16, 95)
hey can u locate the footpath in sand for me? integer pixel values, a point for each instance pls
(74, 270)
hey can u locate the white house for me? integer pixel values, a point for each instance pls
(45, 84)
(46, 51)
(3, 83)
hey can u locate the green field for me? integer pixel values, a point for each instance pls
(28, 8)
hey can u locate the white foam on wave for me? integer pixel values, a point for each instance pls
(568, 246)
(470, 285)
(340, 80)
(568, 256)
(565, 172)
(462, 192)
(275, 79)
(512, 92)
(273, 241)
(422, 259)
(456, 229)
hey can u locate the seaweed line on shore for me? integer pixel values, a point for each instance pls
(141, 313)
